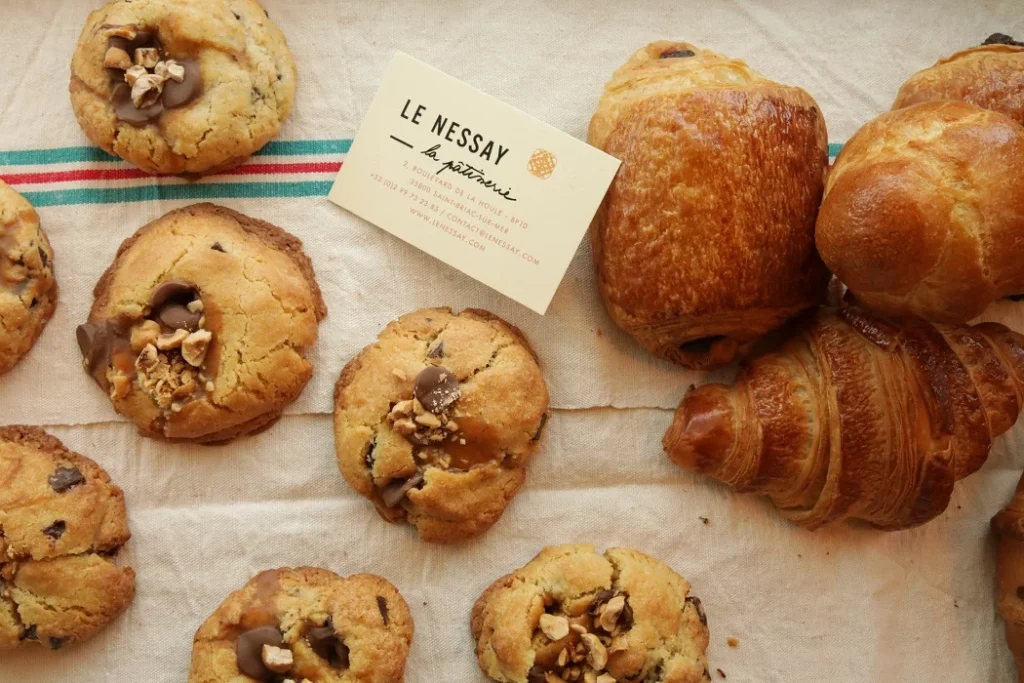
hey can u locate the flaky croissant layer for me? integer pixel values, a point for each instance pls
(857, 417)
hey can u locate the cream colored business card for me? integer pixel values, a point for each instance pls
(472, 181)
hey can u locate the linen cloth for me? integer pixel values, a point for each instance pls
(843, 604)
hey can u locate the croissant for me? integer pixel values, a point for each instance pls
(857, 417)
(705, 240)
(924, 212)
(990, 76)
(1009, 527)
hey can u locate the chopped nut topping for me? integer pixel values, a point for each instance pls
(563, 657)
(209, 386)
(148, 358)
(170, 70)
(578, 628)
(606, 678)
(171, 340)
(609, 614)
(405, 426)
(553, 678)
(127, 31)
(146, 90)
(134, 73)
(119, 386)
(116, 58)
(145, 334)
(597, 655)
(554, 627)
(147, 57)
(196, 305)
(277, 659)
(195, 346)
(429, 420)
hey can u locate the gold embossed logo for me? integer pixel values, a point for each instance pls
(542, 163)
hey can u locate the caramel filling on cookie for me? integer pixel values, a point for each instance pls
(440, 435)
(145, 80)
(578, 647)
(163, 354)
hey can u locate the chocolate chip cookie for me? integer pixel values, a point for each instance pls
(436, 421)
(573, 615)
(28, 291)
(305, 625)
(200, 327)
(61, 523)
(178, 86)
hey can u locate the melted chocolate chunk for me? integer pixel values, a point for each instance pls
(56, 530)
(126, 111)
(393, 493)
(540, 427)
(249, 651)
(1002, 39)
(30, 633)
(437, 351)
(626, 616)
(96, 341)
(43, 257)
(216, 247)
(57, 643)
(1020, 592)
(674, 54)
(599, 600)
(66, 478)
(179, 94)
(436, 388)
(1016, 297)
(699, 607)
(327, 644)
(382, 607)
(170, 302)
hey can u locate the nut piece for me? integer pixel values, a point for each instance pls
(196, 305)
(611, 611)
(606, 678)
(147, 56)
(277, 659)
(170, 70)
(554, 627)
(597, 656)
(120, 385)
(145, 334)
(146, 90)
(166, 342)
(134, 73)
(116, 58)
(148, 358)
(195, 346)
(428, 420)
(405, 426)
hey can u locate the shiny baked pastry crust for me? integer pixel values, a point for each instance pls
(705, 239)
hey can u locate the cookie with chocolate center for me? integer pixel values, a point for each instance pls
(436, 421)
(28, 290)
(176, 86)
(305, 624)
(572, 614)
(200, 328)
(62, 522)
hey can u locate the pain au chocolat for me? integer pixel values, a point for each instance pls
(705, 240)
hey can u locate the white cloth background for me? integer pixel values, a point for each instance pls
(844, 604)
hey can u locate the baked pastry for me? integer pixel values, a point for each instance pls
(990, 76)
(305, 624)
(857, 417)
(1008, 525)
(924, 212)
(62, 521)
(705, 240)
(200, 327)
(573, 615)
(178, 86)
(436, 421)
(28, 290)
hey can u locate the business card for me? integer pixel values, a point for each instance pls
(472, 181)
